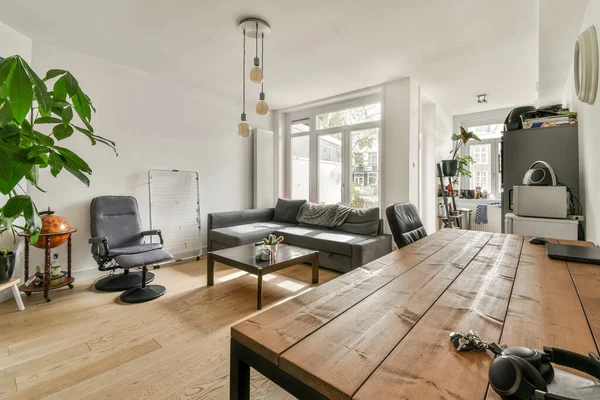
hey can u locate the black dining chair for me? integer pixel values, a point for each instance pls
(405, 223)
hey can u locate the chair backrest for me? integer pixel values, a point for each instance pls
(405, 223)
(118, 219)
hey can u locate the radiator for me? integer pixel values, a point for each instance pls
(494, 217)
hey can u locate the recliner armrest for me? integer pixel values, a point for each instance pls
(153, 232)
(96, 242)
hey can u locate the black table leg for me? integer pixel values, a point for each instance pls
(260, 285)
(210, 270)
(315, 269)
(239, 375)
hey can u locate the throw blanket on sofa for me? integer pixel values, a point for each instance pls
(328, 216)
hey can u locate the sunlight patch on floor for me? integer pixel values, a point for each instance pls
(291, 286)
(231, 276)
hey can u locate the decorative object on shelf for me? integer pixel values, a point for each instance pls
(54, 224)
(27, 104)
(46, 275)
(7, 264)
(450, 166)
(585, 66)
(272, 241)
(55, 271)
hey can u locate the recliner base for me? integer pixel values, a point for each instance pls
(121, 282)
(142, 294)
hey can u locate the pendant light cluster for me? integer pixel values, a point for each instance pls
(256, 29)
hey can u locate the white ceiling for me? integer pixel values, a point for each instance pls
(456, 49)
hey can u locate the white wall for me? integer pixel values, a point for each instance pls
(157, 124)
(589, 140)
(395, 183)
(13, 43)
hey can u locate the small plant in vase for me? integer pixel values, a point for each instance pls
(7, 264)
(272, 241)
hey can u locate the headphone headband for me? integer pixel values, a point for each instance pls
(576, 361)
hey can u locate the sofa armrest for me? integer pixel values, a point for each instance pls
(234, 218)
(371, 249)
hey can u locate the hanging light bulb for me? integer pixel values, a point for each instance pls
(262, 108)
(256, 73)
(243, 127)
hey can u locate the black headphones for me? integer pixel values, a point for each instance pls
(519, 373)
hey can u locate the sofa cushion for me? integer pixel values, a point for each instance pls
(287, 210)
(245, 234)
(361, 222)
(320, 239)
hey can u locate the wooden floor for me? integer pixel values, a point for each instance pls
(86, 345)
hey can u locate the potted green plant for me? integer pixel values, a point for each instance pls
(272, 241)
(450, 166)
(464, 164)
(34, 121)
(7, 264)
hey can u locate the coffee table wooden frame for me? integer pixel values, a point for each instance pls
(263, 268)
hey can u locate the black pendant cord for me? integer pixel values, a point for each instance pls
(244, 77)
(256, 40)
(262, 61)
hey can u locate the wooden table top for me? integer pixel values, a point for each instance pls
(382, 330)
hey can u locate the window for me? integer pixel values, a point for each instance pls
(300, 167)
(480, 154)
(486, 155)
(480, 179)
(351, 116)
(330, 169)
(334, 155)
(300, 126)
(364, 147)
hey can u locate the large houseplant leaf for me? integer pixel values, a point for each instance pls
(20, 92)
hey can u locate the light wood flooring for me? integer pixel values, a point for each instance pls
(86, 345)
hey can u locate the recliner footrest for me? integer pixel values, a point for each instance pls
(141, 259)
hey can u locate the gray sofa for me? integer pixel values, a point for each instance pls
(357, 241)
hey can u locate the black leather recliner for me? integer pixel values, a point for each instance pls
(405, 223)
(118, 241)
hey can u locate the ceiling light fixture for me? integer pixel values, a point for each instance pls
(482, 98)
(256, 29)
(243, 127)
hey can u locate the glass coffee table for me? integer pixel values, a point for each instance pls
(243, 257)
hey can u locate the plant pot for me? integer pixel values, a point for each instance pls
(450, 167)
(273, 248)
(7, 267)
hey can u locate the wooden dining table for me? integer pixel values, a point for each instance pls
(382, 330)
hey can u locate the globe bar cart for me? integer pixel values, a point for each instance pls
(55, 232)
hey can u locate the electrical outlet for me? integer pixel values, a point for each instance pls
(576, 217)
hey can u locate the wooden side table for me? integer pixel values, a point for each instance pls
(13, 284)
(46, 287)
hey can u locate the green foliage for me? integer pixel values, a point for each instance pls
(26, 103)
(460, 140)
(4, 252)
(272, 240)
(464, 164)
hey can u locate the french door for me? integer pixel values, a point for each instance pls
(348, 167)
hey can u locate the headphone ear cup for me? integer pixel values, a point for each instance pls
(547, 371)
(531, 374)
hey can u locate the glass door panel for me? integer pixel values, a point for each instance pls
(330, 156)
(300, 167)
(364, 168)
(481, 170)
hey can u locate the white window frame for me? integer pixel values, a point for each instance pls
(311, 114)
(494, 164)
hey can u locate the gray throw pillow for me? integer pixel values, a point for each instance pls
(362, 222)
(287, 210)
